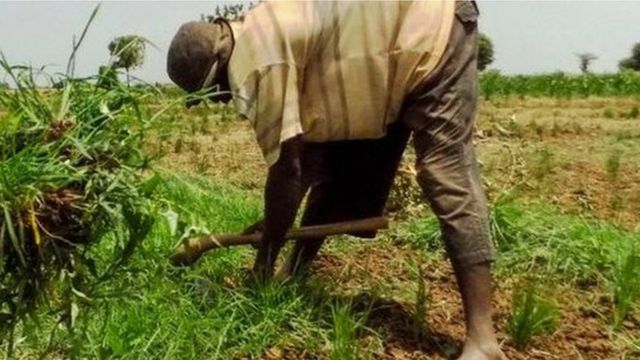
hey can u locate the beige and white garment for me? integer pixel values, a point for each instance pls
(332, 70)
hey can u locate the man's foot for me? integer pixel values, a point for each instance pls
(488, 350)
(283, 275)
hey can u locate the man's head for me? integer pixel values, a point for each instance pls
(198, 57)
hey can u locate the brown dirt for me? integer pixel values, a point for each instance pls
(581, 137)
(581, 333)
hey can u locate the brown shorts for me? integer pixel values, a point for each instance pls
(352, 179)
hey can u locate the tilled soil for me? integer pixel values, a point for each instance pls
(580, 333)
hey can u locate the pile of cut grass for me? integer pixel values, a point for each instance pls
(69, 181)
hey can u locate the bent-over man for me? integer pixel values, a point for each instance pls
(333, 91)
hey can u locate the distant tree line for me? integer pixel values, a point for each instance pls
(632, 62)
(485, 51)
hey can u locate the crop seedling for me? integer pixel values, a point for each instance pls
(626, 286)
(543, 163)
(422, 299)
(613, 164)
(345, 329)
(531, 315)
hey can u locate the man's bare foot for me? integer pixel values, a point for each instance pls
(489, 350)
(282, 276)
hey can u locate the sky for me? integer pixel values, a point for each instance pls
(528, 36)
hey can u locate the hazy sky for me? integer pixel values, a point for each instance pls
(529, 36)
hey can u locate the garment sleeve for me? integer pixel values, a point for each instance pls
(269, 99)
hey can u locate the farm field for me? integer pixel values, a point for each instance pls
(563, 177)
(104, 174)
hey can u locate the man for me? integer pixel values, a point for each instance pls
(333, 91)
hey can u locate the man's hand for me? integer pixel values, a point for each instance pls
(283, 193)
(258, 227)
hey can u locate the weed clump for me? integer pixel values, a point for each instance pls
(531, 315)
(543, 163)
(608, 113)
(346, 326)
(626, 286)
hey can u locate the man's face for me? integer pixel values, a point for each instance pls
(218, 91)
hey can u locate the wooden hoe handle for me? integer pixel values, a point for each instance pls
(190, 250)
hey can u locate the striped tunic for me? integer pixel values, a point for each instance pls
(332, 70)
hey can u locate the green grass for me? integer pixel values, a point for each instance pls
(531, 315)
(539, 239)
(626, 284)
(346, 325)
(152, 310)
(535, 238)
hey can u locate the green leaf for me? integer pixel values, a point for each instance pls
(12, 235)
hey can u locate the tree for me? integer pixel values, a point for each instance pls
(127, 52)
(633, 62)
(585, 61)
(230, 12)
(485, 51)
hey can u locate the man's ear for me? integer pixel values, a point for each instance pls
(224, 42)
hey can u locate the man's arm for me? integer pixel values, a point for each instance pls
(283, 194)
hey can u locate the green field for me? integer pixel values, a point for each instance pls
(560, 85)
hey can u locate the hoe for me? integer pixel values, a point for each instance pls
(190, 250)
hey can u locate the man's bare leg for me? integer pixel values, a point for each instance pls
(474, 283)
